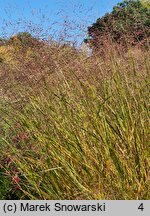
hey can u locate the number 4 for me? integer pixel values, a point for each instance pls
(141, 207)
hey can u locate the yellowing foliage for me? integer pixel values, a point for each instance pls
(16, 43)
(7, 55)
(146, 3)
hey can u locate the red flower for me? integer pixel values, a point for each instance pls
(8, 161)
(16, 181)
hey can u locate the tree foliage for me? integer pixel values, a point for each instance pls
(128, 23)
(21, 41)
(24, 40)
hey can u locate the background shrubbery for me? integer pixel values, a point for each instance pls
(127, 25)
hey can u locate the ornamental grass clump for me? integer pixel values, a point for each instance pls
(84, 134)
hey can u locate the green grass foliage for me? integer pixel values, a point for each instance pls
(84, 137)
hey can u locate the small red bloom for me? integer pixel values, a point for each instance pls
(16, 181)
(8, 161)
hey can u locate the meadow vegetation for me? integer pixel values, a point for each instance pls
(73, 126)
